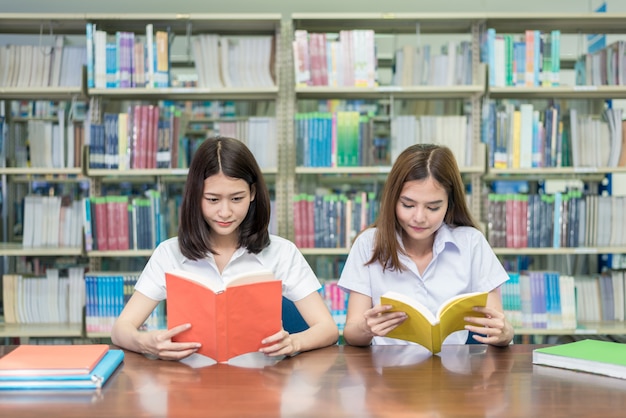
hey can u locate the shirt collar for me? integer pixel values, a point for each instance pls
(238, 253)
(443, 236)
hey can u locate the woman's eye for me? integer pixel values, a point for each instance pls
(434, 209)
(404, 205)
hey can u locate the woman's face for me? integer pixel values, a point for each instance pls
(225, 203)
(421, 209)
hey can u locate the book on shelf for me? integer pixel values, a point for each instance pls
(426, 329)
(52, 360)
(93, 379)
(592, 356)
(228, 320)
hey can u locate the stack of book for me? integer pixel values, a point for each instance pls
(58, 367)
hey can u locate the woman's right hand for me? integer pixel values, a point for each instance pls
(159, 344)
(379, 321)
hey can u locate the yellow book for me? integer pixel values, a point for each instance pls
(426, 329)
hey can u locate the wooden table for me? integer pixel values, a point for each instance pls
(340, 381)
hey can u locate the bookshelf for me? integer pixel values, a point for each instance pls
(183, 30)
(573, 257)
(290, 178)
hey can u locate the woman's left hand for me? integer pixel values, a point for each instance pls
(491, 328)
(279, 344)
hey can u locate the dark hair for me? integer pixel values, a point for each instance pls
(232, 158)
(417, 162)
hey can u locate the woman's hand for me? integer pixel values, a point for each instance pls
(279, 344)
(379, 321)
(160, 344)
(493, 328)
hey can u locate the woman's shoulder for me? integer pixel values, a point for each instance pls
(366, 236)
(170, 245)
(278, 243)
(464, 234)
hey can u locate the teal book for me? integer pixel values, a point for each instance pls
(93, 380)
(591, 356)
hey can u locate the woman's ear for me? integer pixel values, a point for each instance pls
(252, 192)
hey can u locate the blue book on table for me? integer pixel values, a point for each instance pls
(94, 380)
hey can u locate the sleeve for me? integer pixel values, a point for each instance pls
(355, 276)
(487, 267)
(298, 278)
(151, 282)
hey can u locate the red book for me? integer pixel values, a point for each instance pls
(228, 320)
(49, 360)
(102, 240)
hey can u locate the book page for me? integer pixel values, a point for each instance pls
(418, 327)
(207, 281)
(416, 305)
(452, 313)
(251, 277)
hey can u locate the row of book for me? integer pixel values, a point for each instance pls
(336, 300)
(56, 297)
(144, 137)
(117, 223)
(532, 59)
(421, 65)
(150, 136)
(124, 60)
(604, 67)
(556, 220)
(44, 144)
(349, 138)
(338, 139)
(453, 131)
(540, 299)
(42, 65)
(243, 61)
(52, 221)
(328, 220)
(550, 300)
(521, 136)
(345, 60)
(129, 60)
(106, 294)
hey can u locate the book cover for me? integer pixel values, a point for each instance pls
(95, 379)
(592, 356)
(228, 320)
(40, 360)
(426, 329)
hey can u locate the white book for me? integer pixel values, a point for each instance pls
(14, 65)
(24, 66)
(199, 62)
(4, 64)
(227, 70)
(526, 136)
(52, 299)
(150, 70)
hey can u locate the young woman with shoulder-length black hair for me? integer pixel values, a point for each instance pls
(231, 157)
(223, 231)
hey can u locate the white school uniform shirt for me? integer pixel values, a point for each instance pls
(462, 262)
(281, 256)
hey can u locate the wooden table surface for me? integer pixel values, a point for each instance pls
(340, 381)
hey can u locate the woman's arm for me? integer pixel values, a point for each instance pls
(364, 322)
(322, 329)
(493, 328)
(126, 334)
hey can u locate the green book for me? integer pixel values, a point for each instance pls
(592, 356)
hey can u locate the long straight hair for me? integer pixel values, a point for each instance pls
(417, 162)
(232, 158)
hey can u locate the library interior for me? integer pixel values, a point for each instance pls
(102, 109)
